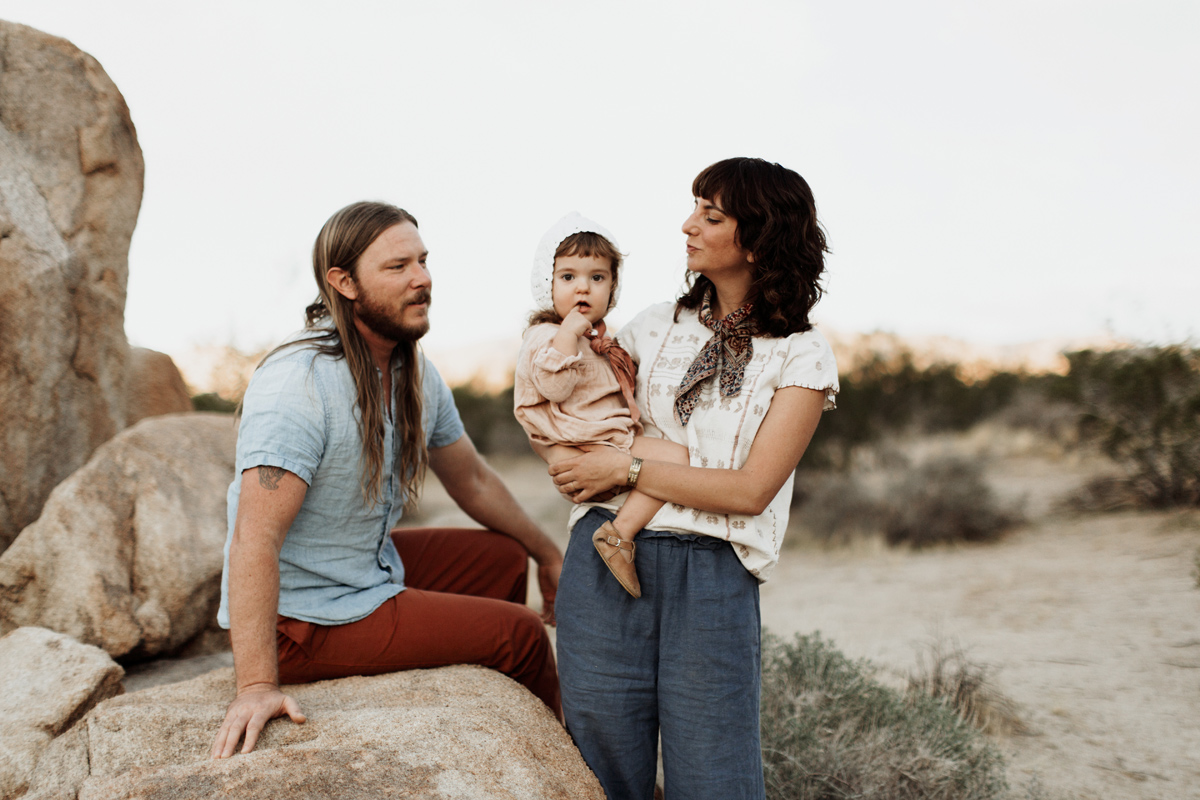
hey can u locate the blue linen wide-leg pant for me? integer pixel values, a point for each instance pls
(684, 660)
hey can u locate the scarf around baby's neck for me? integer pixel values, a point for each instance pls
(618, 358)
(729, 351)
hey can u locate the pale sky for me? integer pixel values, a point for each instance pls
(998, 172)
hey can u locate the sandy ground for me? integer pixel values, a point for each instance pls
(1091, 624)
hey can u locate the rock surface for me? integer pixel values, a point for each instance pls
(127, 554)
(155, 386)
(50, 681)
(70, 189)
(457, 732)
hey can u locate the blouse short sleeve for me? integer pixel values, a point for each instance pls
(810, 363)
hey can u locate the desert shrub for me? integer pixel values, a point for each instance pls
(835, 507)
(1103, 495)
(889, 394)
(831, 731)
(1143, 407)
(1036, 406)
(211, 401)
(945, 500)
(488, 418)
(945, 673)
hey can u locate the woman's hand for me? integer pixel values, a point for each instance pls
(584, 477)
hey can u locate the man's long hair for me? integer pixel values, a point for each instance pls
(340, 243)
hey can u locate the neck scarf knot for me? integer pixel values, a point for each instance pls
(618, 358)
(728, 351)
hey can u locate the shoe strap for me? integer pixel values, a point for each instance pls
(618, 542)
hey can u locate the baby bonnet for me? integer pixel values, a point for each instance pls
(541, 279)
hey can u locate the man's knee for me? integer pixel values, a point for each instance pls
(528, 633)
(509, 552)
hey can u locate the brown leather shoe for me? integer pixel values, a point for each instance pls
(618, 555)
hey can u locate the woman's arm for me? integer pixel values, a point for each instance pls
(778, 445)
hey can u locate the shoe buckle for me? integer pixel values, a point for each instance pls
(615, 541)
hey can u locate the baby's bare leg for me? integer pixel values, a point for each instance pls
(640, 508)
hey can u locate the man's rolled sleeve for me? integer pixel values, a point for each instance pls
(283, 419)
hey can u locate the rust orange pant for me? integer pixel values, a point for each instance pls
(465, 604)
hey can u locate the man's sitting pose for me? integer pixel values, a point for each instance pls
(338, 426)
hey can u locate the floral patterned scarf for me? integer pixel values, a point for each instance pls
(728, 351)
(622, 365)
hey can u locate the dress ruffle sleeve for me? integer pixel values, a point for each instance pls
(810, 363)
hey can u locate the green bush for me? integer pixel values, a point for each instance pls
(945, 500)
(886, 395)
(830, 731)
(488, 418)
(211, 401)
(1143, 407)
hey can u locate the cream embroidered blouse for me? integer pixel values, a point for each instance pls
(721, 430)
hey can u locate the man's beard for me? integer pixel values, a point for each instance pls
(387, 322)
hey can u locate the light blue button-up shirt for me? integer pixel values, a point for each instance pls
(337, 563)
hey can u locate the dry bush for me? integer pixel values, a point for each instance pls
(1051, 419)
(886, 393)
(945, 500)
(834, 507)
(945, 673)
(1143, 407)
(831, 731)
(1103, 495)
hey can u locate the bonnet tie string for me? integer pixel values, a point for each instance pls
(618, 358)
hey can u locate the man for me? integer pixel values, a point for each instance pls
(338, 426)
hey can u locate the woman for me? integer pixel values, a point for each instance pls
(734, 371)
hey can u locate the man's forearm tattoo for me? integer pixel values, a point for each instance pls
(268, 477)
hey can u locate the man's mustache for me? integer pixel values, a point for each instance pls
(425, 296)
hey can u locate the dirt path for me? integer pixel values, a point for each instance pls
(1091, 625)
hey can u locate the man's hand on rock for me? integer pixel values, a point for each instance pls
(254, 706)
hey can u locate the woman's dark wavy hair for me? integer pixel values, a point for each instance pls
(777, 222)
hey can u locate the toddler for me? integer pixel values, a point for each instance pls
(574, 384)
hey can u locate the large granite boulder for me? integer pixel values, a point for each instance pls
(127, 553)
(50, 681)
(70, 189)
(457, 732)
(155, 386)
